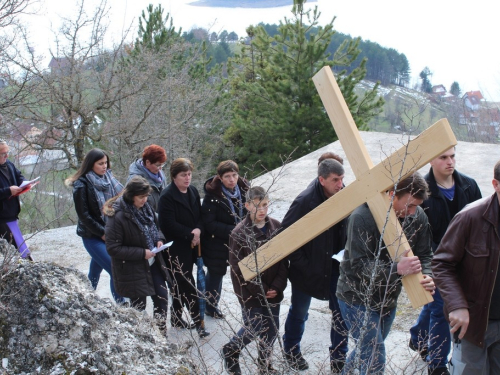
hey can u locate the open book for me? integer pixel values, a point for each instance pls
(26, 186)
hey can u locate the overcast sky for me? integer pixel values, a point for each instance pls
(455, 39)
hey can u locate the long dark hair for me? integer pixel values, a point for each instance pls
(90, 159)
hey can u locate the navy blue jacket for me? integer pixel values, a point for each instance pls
(312, 266)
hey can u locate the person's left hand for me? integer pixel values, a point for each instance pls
(159, 244)
(196, 237)
(428, 283)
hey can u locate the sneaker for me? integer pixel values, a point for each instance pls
(296, 361)
(438, 371)
(230, 357)
(422, 351)
(215, 314)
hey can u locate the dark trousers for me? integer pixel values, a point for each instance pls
(258, 324)
(213, 285)
(160, 299)
(184, 293)
(6, 234)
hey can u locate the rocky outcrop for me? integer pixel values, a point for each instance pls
(52, 322)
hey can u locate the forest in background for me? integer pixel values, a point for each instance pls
(205, 96)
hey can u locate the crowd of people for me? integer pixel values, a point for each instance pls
(453, 233)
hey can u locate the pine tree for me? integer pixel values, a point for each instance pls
(278, 108)
(426, 85)
(153, 30)
(455, 89)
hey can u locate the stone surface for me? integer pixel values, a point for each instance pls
(52, 322)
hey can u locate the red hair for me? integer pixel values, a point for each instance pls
(155, 154)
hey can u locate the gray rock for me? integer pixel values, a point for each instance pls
(53, 323)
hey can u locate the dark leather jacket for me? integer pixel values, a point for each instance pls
(436, 208)
(90, 222)
(466, 263)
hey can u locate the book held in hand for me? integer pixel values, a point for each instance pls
(26, 186)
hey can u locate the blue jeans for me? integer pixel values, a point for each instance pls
(296, 321)
(213, 287)
(432, 331)
(371, 345)
(257, 323)
(100, 260)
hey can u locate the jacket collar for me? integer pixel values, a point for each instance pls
(492, 209)
(178, 196)
(433, 186)
(213, 186)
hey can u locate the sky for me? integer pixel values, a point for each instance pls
(455, 39)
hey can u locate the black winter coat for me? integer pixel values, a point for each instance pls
(249, 293)
(90, 222)
(126, 244)
(9, 208)
(218, 221)
(436, 208)
(177, 220)
(311, 266)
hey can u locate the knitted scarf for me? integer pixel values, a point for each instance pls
(144, 218)
(105, 187)
(235, 195)
(158, 178)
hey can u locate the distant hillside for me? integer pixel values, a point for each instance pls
(245, 3)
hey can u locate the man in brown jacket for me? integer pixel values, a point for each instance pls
(259, 298)
(465, 269)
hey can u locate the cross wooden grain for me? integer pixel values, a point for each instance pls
(370, 186)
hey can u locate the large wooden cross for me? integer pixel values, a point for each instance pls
(370, 186)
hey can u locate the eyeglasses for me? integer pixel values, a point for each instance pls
(159, 165)
(4, 154)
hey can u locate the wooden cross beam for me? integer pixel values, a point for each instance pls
(370, 186)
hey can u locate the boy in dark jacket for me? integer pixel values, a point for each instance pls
(259, 298)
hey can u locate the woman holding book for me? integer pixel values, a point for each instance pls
(131, 236)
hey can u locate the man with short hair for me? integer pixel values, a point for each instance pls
(450, 191)
(313, 273)
(465, 267)
(10, 179)
(370, 281)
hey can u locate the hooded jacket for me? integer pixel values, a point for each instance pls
(219, 221)
(137, 169)
(126, 244)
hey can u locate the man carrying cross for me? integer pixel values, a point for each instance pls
(370, 281)
(313, 273)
